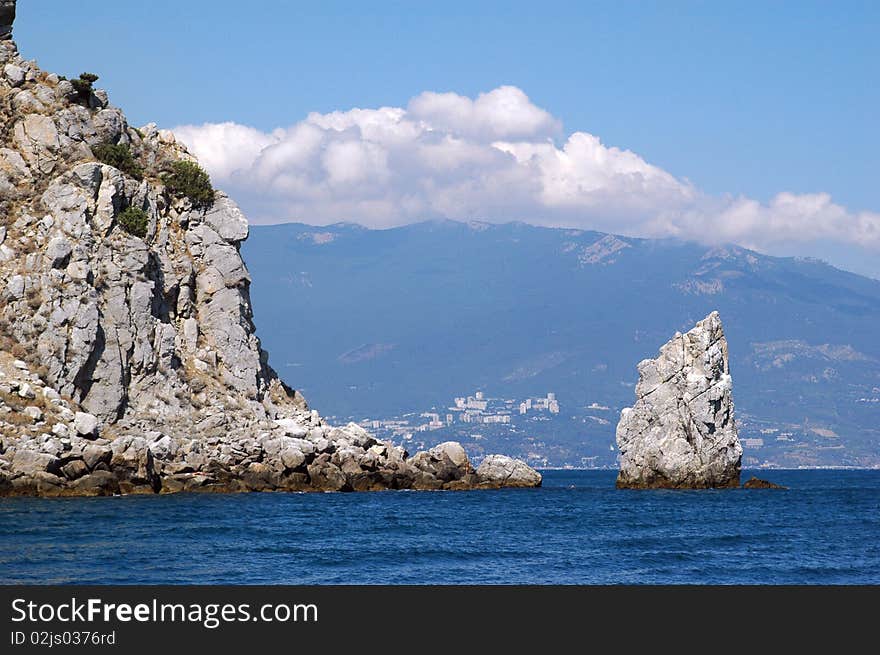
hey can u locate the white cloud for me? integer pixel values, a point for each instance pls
(224, 147)
(494, 158)
(504, 113)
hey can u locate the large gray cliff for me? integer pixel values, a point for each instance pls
(681, 432)
(130, 363)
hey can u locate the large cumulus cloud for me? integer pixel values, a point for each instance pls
(497, 157)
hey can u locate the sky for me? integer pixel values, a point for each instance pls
(754, 123)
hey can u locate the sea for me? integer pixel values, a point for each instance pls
(576, 529)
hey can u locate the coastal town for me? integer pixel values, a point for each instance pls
(477, 409)
(545, 432)
(473, 409)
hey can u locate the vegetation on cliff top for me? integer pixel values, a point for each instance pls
(189, 179)
(83, 86)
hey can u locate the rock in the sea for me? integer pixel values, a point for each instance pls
(757, 483)
(681, 431)
(503, 471)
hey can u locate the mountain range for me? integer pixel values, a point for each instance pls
(373, 324)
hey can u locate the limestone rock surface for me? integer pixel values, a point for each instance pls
(504, 471)
(681, 432)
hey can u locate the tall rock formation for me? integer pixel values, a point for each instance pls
(128, 355)
(681, 431)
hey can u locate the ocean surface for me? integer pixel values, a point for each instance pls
(576, 529)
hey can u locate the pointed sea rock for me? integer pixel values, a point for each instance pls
(681, 432)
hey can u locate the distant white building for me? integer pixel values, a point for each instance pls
(472, 417)
(476, 403)
(548, 403)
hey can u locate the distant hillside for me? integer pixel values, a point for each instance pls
(375, 323)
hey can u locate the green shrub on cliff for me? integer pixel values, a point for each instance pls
(134, 221)
(189, 179)
(83, 86)
(118, 156)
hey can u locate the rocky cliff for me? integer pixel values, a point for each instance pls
(681, 432)
(128, 356)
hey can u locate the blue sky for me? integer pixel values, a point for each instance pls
(746, 99)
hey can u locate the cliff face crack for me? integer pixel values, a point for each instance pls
(85, 376)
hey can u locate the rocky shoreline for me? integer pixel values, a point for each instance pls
(57, 451)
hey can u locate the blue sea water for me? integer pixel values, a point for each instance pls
(576, 529)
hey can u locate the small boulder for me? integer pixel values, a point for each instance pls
(454, 452)
(444, 463)
(60, 430)
(325, 476)
(31, 462)
(98, 483)
(164, 447)
(74, 469)
(132, 463)
(93, 454)
(291, 427)
(13, 73)
(86, 425)
(292, 458)
(58, 252)
(504, 471)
